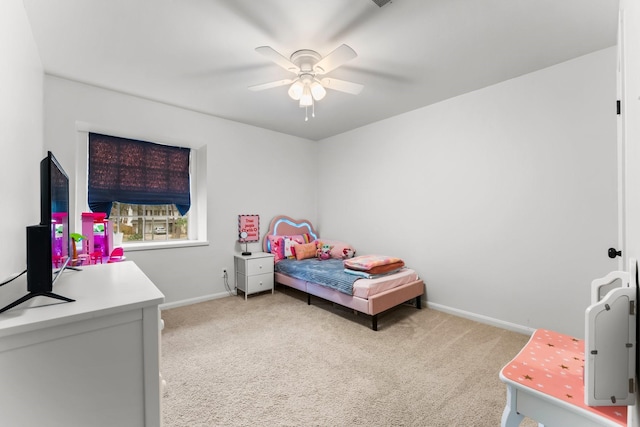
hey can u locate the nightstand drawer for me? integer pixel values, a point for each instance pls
(259, 283)
(255, 266)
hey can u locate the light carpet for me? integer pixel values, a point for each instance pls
(273, 360)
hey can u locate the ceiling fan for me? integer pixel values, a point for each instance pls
(308, 66)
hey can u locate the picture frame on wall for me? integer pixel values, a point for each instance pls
(248, 230)
(249, 224)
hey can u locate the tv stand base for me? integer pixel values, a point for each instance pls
(30, 295)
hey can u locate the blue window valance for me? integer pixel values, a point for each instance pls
(137, 172)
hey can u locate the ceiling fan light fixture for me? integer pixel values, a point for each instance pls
(306, 87)
(306, 100)
(296, 89)
(317, 90)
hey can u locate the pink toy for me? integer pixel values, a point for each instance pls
(324, 251)
(95, 227)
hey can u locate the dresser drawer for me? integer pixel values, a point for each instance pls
(255, 266)
(259, 283)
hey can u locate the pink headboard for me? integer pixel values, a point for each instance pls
(285, 226)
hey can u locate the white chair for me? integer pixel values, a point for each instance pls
(610, 340)
(609, 355)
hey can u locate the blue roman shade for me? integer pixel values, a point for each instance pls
(137, 172)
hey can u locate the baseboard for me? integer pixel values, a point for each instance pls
(190, 301)
(482, 319)
(434, 306)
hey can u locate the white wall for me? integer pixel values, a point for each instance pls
(249, 171)
(503, 199)
(20, 138)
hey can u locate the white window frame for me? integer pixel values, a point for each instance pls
(197, 215)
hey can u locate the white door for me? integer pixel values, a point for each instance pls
(622, 264)
(629, 126)
(629, 141)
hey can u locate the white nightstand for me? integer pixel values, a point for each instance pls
(254, 273)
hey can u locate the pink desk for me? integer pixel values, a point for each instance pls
(545, 382)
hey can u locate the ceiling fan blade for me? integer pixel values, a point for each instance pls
(339, 56)
(270, 53)
(271, 85)
(342, 86)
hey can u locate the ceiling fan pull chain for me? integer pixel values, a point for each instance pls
(313, 110)
(306, 114)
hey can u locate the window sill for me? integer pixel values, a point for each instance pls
(164, 245)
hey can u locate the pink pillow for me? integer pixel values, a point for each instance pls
(284, 246)
(291, 241)
(340, 250)
(277, 247)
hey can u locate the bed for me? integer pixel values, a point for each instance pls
(371, 295)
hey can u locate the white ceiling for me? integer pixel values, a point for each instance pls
(199, 54)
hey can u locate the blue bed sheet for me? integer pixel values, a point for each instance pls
(329, 272)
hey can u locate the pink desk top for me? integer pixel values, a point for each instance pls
(553, 364)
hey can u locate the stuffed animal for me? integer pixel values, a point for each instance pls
(348, 253)
(324, 251)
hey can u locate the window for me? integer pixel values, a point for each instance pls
(137, 172)
(144, 223)
(143, 187)
(197, 215)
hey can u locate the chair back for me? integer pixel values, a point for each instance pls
(117, 252)
(116, 255)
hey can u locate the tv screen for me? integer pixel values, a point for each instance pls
(54, 212)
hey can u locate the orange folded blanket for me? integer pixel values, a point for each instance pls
(374, 264)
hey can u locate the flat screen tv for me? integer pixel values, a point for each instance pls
(48, 243)
(54, 212)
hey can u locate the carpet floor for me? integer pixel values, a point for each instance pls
(273, 360)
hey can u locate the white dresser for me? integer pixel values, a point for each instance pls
(254, 273)
(91, 362)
